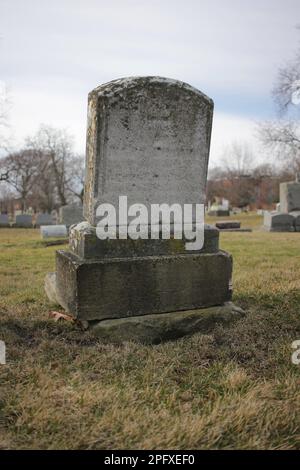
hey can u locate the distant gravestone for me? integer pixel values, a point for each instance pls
(4, 221)
(71, 214)
(148, 138)
(43, 219)
(53, 231)
(278, 222)
(23, 221)
(290, 196)
(296, 215)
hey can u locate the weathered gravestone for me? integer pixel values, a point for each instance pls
(70, 214)
(23, 221)
(148, 138)
(43, 219)
(4, 221)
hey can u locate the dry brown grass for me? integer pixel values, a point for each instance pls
(236, 388)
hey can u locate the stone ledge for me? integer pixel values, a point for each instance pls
(160, 327)
(85, 244)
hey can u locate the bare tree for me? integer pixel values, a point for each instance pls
(23, 169)
(75, 180)
(237, 159)
(56, 146)
(282, 136)
(4, 122)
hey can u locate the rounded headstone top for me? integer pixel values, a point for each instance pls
(117, 86)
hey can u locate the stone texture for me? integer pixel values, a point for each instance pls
(156, 328)
(43, 219)
(4, 221)
(85, 244)
(290, 196)
(70, 214)
(278, 222)
(121, 287)
(23, 221)
(148, 138)
(228, 224)
(53, 231)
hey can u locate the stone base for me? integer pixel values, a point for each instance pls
(156, 328)
(125, 287)
(85, 244)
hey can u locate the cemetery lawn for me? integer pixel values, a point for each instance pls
(235, 389)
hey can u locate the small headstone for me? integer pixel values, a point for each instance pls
(278, 222)
(218, 211)
(70, 214)
(23, 221)
(43, 219)
(296, 215)
(53, 231)
(4, 221)
(290, 196)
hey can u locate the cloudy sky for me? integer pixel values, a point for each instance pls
(52, 53)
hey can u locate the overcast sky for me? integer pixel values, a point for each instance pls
(52, 53)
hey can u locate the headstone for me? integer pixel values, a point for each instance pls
(296, 215)
(43, 219)
(278, 207)
(290, 196)
(278, 222)
(23, 221)
(70, 214)
(154, 143)
(148, 138)
(4, 221)
(54, 231)
(54, 216)
(218, 211)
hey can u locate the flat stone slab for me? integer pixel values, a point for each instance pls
(53, 231)
(85, 244)
(236, 230)
(226, 224)
(157, 328)
(123, 287)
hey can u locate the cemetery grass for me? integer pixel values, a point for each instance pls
(234, 389)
